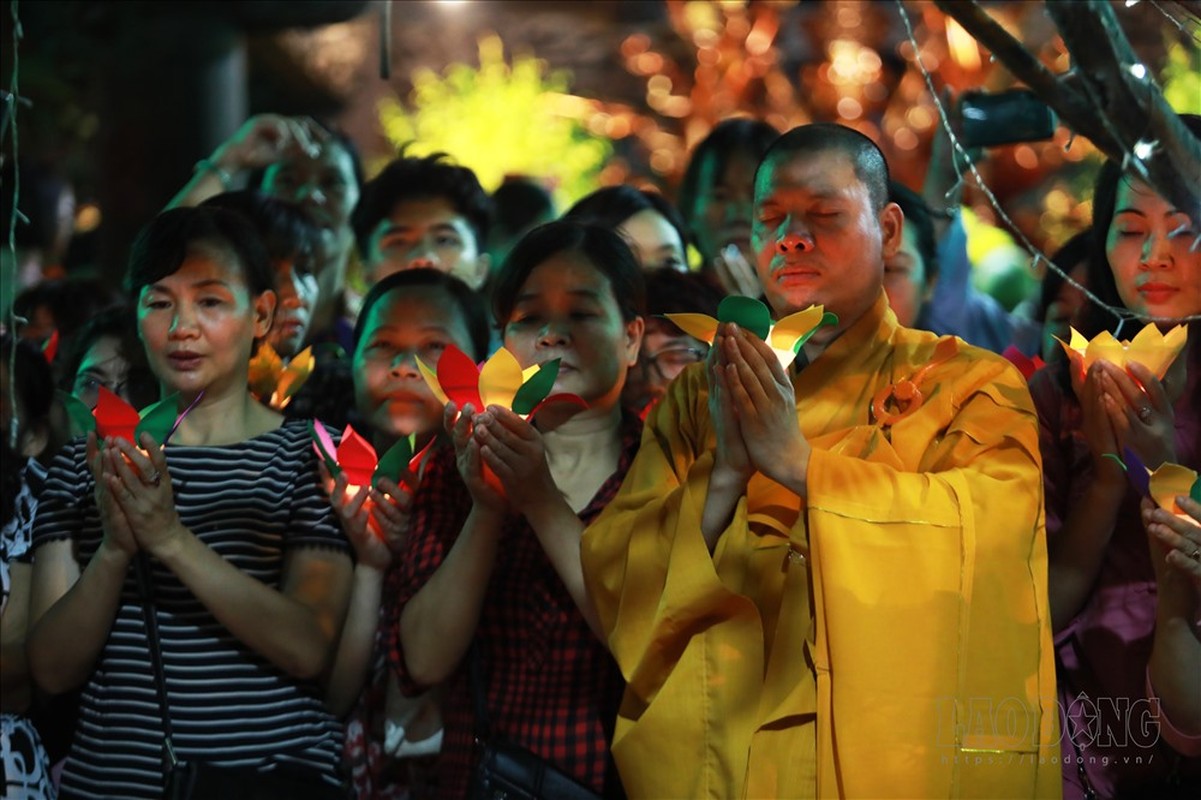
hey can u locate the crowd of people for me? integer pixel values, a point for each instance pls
(885, 563)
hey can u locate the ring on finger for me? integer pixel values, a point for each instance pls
(154, 478)
(1196, 554)
(1144, 413)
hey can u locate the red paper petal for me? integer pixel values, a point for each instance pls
(562, 397)
(50, 348)
(357, 458)
(114, 417)
(1027, 366)
(459, 378)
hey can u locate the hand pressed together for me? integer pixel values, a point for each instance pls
(760, 394)
(140, 484)
(374, 518)
(482, 483)
(512, 448)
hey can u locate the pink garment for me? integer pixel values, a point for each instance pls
(1113, 736)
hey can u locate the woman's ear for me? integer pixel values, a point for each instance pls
(264, 313)
(634, 331)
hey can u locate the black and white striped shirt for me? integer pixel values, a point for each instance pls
(250, 502)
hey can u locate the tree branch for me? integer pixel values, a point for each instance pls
(1100, 99)
(1134, 106)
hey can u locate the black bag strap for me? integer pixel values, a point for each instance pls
(479, 696)
(150, 616)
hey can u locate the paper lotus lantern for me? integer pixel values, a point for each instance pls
(1163, 485)
(785, 337)
(272, 381)
(1154, 350)
(355, 457)
(114, 417)
(1171, 481)
(501, 382)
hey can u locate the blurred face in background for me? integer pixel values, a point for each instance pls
(427, 233)
(722, 215)
(296, 290)
(905, 279)
(666, 351)
(1062, 312)
(655, 242)
(103, 365)
(326, 189)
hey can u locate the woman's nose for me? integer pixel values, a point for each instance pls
(552, 336)
(1157, 250)
(405, 363)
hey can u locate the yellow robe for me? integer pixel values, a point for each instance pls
(891, 640)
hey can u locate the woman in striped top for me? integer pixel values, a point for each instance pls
(249, 569)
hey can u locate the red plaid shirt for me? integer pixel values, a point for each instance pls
(551, 686)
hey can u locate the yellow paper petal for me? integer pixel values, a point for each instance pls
(698, 326)
(1104, 347)
(1170, 481)
(783, 334)
(1078, 343)
(431, 378)
(500, 379)
(1155, 351)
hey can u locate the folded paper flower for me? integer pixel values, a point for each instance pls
(1154, 350)
(1171, 481)
(357, 458)
(500, 382)
(1163, 485)
(785, 337)
(272, 381)
(114, 417)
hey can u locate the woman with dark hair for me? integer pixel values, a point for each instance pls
(649, 223)
(24, 433)
(408, 316)
(1127, 653)
(107, 352)
(493, 562)
(222, 539)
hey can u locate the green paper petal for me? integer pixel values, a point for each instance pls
(1195, 492)
(158, 420)
(80, 416)
(535, 390)
(746, 312)
(828, 318)
(394, 462)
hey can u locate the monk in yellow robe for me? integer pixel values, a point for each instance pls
(830, 581)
